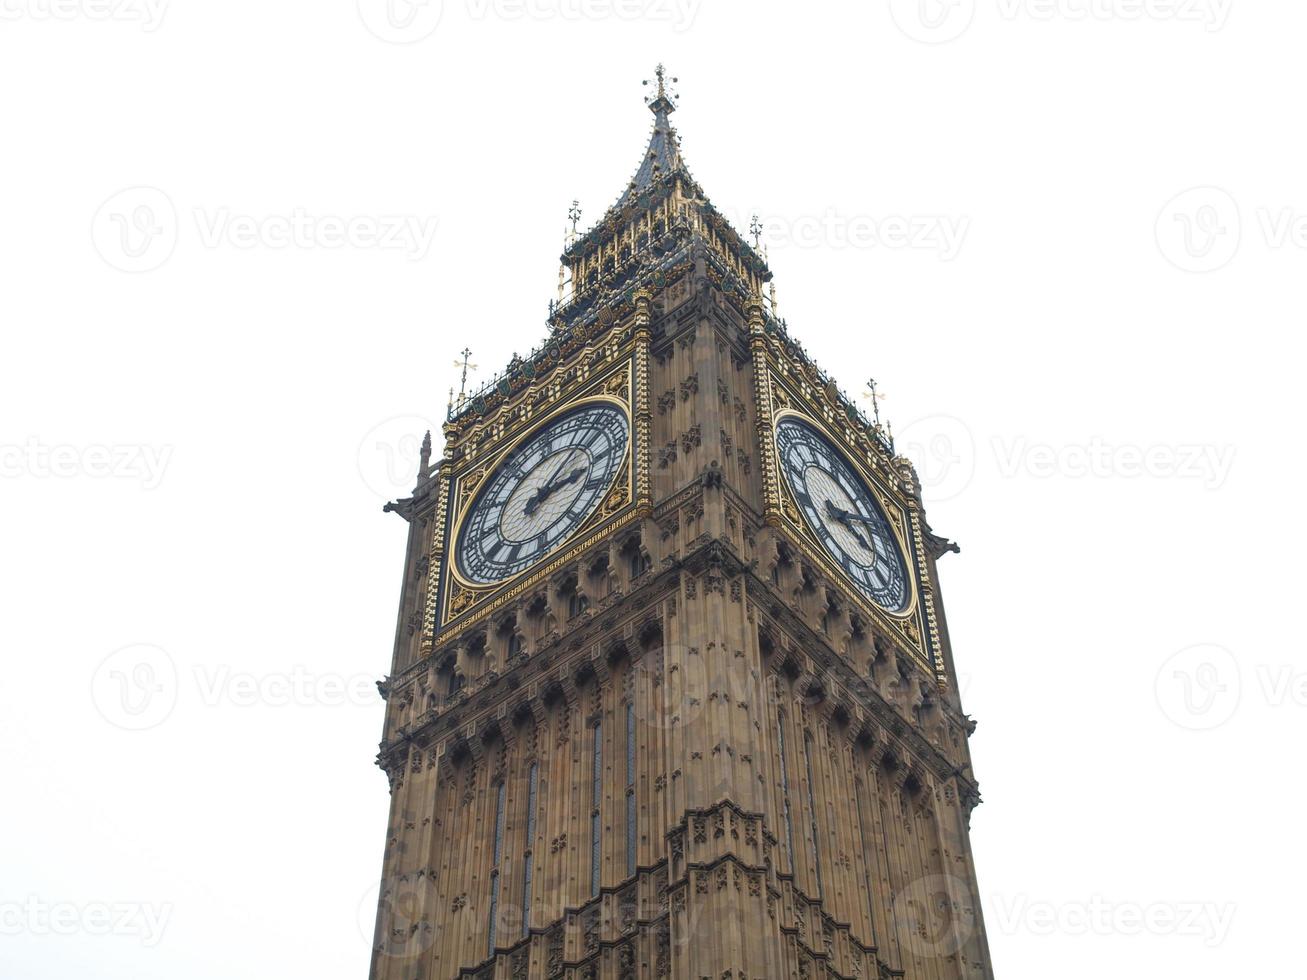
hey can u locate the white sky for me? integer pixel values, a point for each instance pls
(242, 392)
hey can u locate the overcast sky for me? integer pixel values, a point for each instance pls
(242, 244)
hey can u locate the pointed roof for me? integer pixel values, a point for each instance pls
(664, 153)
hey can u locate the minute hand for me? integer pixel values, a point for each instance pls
(850, 516)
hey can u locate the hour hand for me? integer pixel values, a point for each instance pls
(843, 517)
(548, 489)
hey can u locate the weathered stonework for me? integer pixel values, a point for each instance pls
(783, 774)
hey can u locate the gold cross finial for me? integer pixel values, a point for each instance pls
(874, 396)
(466, 365)
(665, 100)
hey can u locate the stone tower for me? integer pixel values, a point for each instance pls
(672, 691)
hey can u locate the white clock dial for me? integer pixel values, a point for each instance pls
(843, 513)
(542, 493)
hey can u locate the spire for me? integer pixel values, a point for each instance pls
(664, 153)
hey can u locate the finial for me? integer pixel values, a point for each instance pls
(875, 398)
(467, 366)
(426, 454)
(665, 100)
(755, 229)
(574, 215)
(449, 412)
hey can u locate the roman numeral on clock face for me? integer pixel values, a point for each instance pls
(542, 493)
(843, 512)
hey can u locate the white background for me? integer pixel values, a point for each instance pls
(195, 452)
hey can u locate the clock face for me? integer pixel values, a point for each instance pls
(542, 492)
(843, 514)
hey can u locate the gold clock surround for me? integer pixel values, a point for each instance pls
(461, 596)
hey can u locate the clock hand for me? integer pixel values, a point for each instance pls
(551, 486)
(843, 517)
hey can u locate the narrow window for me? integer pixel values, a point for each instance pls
(785, 793)
(494, 869)
(596, 798)
(630, 790)
(528, 858)
(515, 644)
(812, 809)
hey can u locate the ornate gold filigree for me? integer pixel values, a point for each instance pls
(619, 385)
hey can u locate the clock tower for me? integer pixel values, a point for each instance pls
(672, 692)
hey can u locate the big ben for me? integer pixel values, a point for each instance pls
(672, 692)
